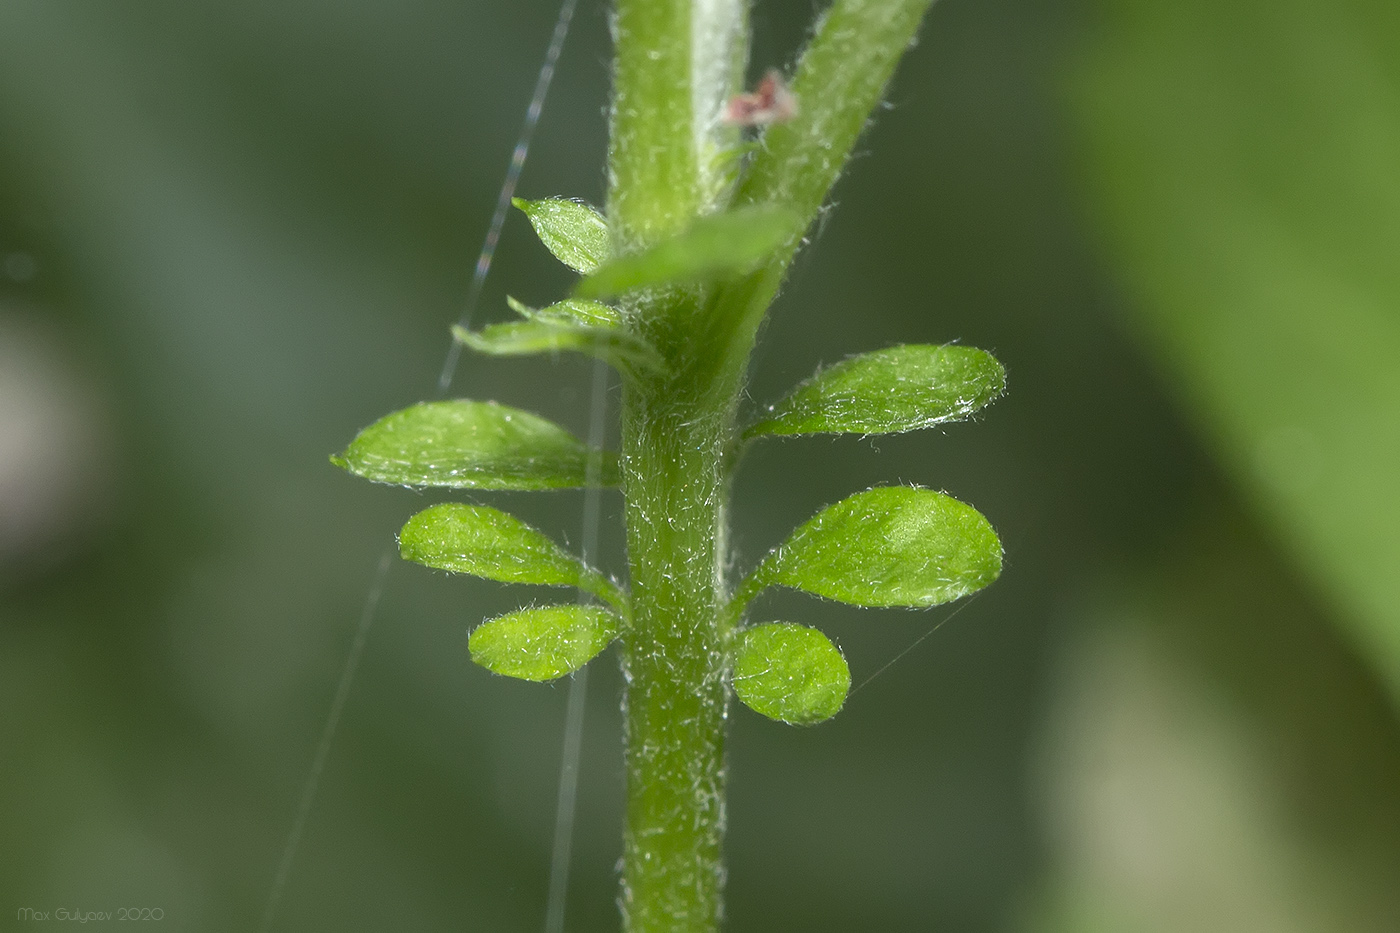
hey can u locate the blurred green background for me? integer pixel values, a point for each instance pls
(231, 234)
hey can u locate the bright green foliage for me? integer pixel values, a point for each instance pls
(791, 673)
(714, 247)
(489, 543)
(575, 233)
(572, 310)
(543, 643)
(473, 445)
(891, 546)
(888, 391)
(625, 352)
(699, 233)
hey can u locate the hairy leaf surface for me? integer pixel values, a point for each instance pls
(889, 391)
(464, 444)
(624, 351)
(791, 673)
(716, 246)
(542, 643)
(890, 546)
(489, 543)
(575, 233)
(576, 310)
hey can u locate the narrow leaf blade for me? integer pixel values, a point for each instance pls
(539, 334)
(790, 673)
(890, 546)
(542, 643)
(577, 310)
(495, 545)
(889, 391)
(575, 233)
(464, 444)
(714, 247)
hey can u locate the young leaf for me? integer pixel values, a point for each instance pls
(575, 310)
(791, 673)
(715, 246)
(626, 352)
(489, 543)
(575, 233)
(889, 391)
(890, 546)
(542, 643)
(473, 445)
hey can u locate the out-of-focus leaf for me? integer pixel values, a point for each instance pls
(489, 543)
(714, 247)
(575, 233)
(1244, 161)
(542, 643)
(626, 352)
(889, 391)
(891, 546)
(791, 673)
(473, 445)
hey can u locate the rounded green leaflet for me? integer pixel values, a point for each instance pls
(542, 643)
(465, 444)
(889, 546)
(791, 673)
(889, 391)
(575, 233)
(495, 545)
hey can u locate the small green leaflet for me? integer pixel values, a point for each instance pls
(889, 391)
(716, 246)
(791, 673)
(575, 233)
(625, 352)
(473, 445)
(489, 543)
(571, 310)
(542, 643)
(890, 546)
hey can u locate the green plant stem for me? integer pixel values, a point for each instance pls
(671, 161)
(675, 63)
(674, 661)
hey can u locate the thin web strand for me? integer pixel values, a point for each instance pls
(323, 747)
(1024, 536)
(517, 165)
(916, 643)
(567, 804)
(449, 369)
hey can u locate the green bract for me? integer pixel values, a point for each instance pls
(575, 233)
(473, 445)
(888, 391)
(892, 546)
(573, 310)
(791, 673)
(487, 542)
(713, 247)
(542, 643)
(625, 352)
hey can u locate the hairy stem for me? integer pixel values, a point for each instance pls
(677, 61)
(672, 160)
(674, 662)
